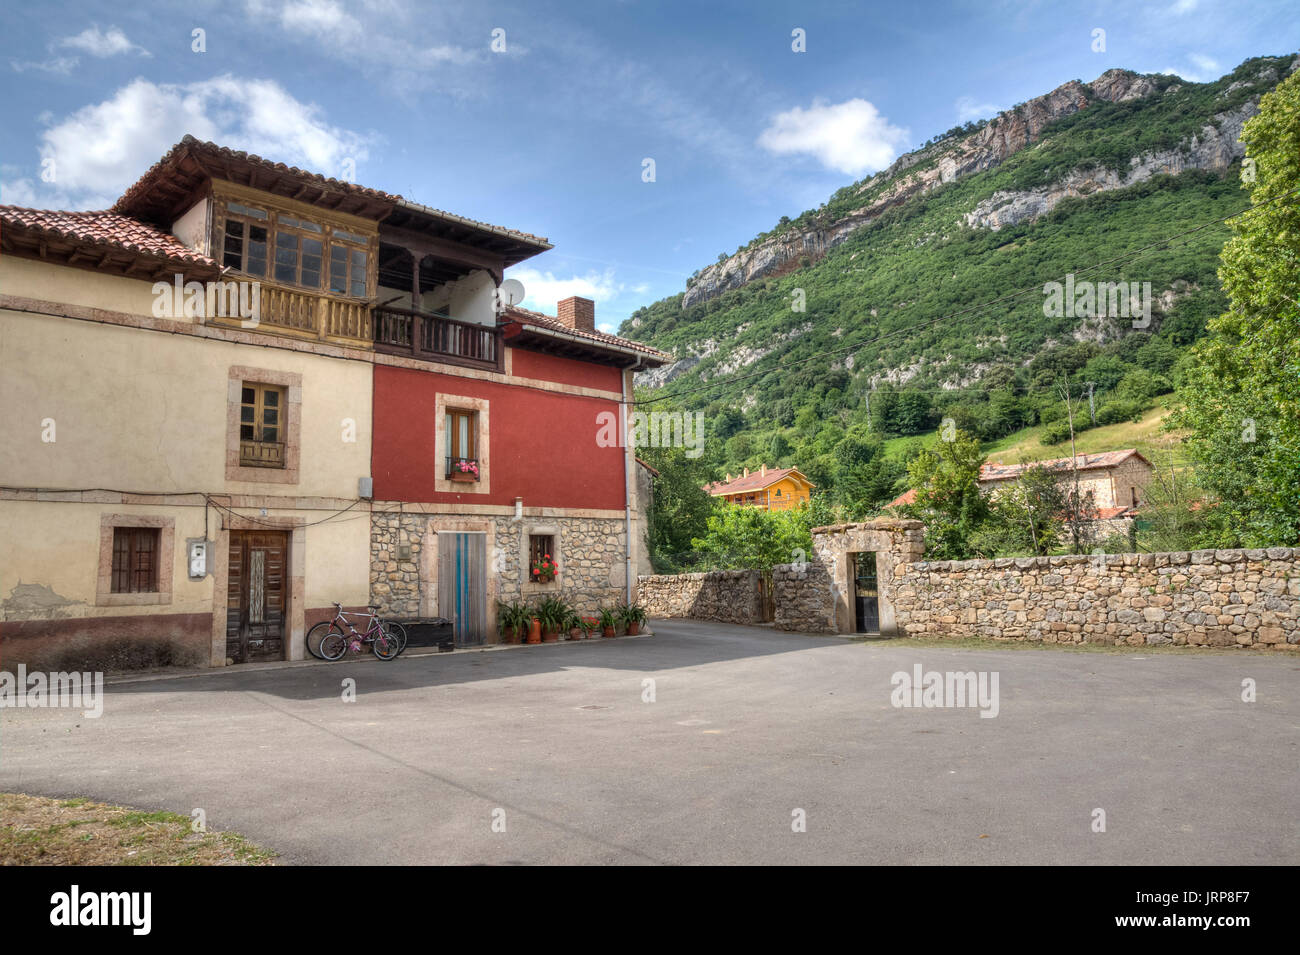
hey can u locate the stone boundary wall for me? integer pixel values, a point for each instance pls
(1212, 598)
(728, 596)
(805, 600)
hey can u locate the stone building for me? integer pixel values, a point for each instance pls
(248, 392)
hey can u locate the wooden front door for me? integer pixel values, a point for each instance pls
(257, 596)
(462, 586)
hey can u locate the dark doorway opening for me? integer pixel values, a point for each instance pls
(866, 592)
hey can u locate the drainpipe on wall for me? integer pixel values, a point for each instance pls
(629, 462)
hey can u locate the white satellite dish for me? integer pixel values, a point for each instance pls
(511, 292)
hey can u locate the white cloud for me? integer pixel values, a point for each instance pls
(57, 64)
(1183, 6)
(323, 19)
(377, 34)
(100, 149)
(99, 43)
(969, 110)
(543, 290)
(851, 137)
(1204, 69)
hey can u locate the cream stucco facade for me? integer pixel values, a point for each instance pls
(115, 412)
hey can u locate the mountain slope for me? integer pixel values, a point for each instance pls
(890, 269)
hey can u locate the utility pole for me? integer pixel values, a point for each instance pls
(1073, 511)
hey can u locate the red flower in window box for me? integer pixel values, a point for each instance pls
(462, 469)
(544, 570)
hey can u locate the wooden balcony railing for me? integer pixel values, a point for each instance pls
(310, 315)
(261, 454)
(432, 337)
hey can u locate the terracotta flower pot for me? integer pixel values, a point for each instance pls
(633, 629)
(576, 633)
(509, 635)
(535, 631)
(609, 631)
(550, 636)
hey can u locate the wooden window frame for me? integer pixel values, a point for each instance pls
(351, 248)
(258, 439)
(286, 216)
(451, 420)
(249, 222)
(480, 407)
(299, 233)
(291, 425)
(164, 560)
(128, 552)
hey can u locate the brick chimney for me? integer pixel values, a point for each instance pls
(578, 313)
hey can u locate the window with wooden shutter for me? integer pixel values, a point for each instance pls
(261, 426)
(135, 560)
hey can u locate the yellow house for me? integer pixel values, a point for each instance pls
(777, 489)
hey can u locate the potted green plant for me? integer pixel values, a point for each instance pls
(513, 619)
(554, 614)
(608, 621)
(634, 616)
(573, 623)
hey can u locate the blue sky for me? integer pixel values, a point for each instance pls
(549, 135)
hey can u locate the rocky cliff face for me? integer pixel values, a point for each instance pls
(917, 172)
(1216, 147)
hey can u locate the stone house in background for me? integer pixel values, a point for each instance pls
(1117, 481)
(248, 391)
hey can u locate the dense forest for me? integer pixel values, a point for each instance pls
(919, 318)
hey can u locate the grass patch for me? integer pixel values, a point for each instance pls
(35, 830)
(1145, 434)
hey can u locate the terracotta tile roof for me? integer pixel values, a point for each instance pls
(998, 471)
(201, 147)
(105, 229)
(537, 319)
(907, 497)
(754, 481)
(1110, 513)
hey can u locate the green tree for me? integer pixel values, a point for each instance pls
(945, 477)
(680, 507)
(1241, 388)
(1024, 518)
(755, 538)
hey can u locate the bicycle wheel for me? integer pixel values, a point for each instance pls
(315, 635)
(398, 631)
(333, 645)
(386, 644)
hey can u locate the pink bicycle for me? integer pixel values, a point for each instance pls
(330, 641)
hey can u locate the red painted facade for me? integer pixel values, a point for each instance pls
(584, 374)
(542, 444)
